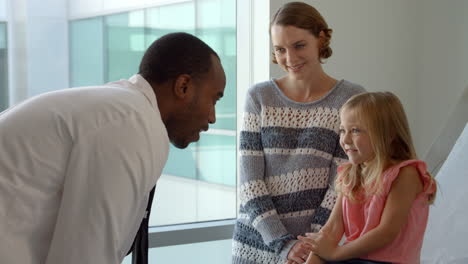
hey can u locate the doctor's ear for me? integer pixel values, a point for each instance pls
(182, 86)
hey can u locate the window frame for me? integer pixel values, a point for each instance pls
(6, 92)
(179, 234)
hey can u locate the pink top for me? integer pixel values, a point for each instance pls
(360, 218)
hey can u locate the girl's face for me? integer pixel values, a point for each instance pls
(354, 139)
(296, 50)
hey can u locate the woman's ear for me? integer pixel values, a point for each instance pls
(322, 34)
(321, 38)
(182, 86)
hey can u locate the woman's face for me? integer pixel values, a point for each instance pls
(296, 50)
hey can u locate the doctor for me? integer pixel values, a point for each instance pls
(77, 165)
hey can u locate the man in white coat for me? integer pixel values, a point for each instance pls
(77, 165)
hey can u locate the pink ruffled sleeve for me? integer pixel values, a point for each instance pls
(393, 172)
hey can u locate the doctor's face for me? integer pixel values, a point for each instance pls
(196, 115)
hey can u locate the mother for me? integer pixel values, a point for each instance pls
(289, 143)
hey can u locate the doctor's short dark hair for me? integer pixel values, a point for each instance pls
(175, 54)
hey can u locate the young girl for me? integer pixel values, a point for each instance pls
(384, 192)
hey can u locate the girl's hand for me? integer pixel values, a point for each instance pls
(299, 252)
(322, 244)
(314, 259)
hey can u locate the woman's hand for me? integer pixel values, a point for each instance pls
(323, 244)
(299, 252)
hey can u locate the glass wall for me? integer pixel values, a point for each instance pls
(3, 67)
(87, 52)
(198, 183)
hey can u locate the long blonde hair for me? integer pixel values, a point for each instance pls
(383, 116)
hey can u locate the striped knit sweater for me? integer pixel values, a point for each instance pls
(289, 153)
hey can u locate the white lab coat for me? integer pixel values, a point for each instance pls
(76, 169)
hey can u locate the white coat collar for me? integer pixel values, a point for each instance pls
(143, 86)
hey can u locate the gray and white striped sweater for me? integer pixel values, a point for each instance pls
(289, 153)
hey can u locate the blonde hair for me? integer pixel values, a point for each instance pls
(304, 16)
(383, 116)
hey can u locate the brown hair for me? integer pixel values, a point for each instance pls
(304, 16)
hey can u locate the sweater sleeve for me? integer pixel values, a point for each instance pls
(255, 198)
(323, 212)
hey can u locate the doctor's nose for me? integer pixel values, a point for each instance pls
(212, 116)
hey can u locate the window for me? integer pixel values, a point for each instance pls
(110, 47)
(87, 52)
(3, 67)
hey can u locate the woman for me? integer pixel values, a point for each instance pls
(289, 148)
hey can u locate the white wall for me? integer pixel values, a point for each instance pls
(442, 63)
(17, 46)
(252, 38)
(2, 10)
(89, 8)
(416, 49)
(38, 41)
